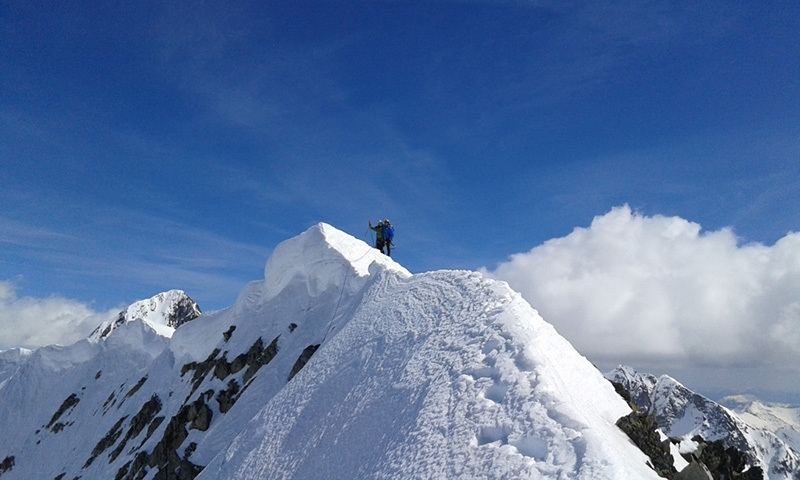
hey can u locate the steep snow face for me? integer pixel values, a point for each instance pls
(163, 313)
(683, 414)
(307, 276)
(437, 375)
(10, 361)
(55, 403)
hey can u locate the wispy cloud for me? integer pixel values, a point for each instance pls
(131, 253)
(18, 233)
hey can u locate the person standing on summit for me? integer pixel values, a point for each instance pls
(378, 234)
(388, 235)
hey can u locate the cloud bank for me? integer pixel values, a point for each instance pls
(659, 291)
(34, 322)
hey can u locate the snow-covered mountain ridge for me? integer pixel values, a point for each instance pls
(684, 415)
(338, 364)
(162, 314)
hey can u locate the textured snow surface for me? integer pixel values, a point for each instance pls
(437, 375)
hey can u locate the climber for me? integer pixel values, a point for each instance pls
(379, 242)
(388, 235)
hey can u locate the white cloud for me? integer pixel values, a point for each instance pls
(35, 322)
(659, 291)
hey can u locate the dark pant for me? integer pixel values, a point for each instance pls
(379, 244)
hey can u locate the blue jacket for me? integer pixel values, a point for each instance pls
(388, 232)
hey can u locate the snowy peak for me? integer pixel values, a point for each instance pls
(680, 411)
(163, 313)
(321, 258)
(338, 364)
(639, 386)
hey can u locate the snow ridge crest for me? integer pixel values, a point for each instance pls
(322, 258)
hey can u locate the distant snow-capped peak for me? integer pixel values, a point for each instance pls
(683, 415)
(163, 313)
(781, 419)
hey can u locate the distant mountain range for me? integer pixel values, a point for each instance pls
(341, 364)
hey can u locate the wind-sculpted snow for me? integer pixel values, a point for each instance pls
(440, 375)
(338, 364)
(322, 258)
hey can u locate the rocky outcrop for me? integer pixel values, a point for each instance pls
(303, 359)
(643, 430)
(694, 471)
(6, 465)
(710, 460)
(68, 404)
(255, 358)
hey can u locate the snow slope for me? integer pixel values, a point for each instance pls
(437, 375)
(338, 364)
(10, 360)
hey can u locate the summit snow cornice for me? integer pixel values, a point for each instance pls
(322, 257)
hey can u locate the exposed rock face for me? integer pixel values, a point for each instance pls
(642, 429)
(725, 462)
(303, 359)
(7, 464)
(710, 460)
(694, 471)
(68, 403)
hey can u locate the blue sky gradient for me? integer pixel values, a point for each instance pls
(147, 146)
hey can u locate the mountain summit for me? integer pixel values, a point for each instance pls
(338, 364)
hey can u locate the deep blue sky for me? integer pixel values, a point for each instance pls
(146, 146)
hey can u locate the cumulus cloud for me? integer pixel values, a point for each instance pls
(659, 290)
(35, 322)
